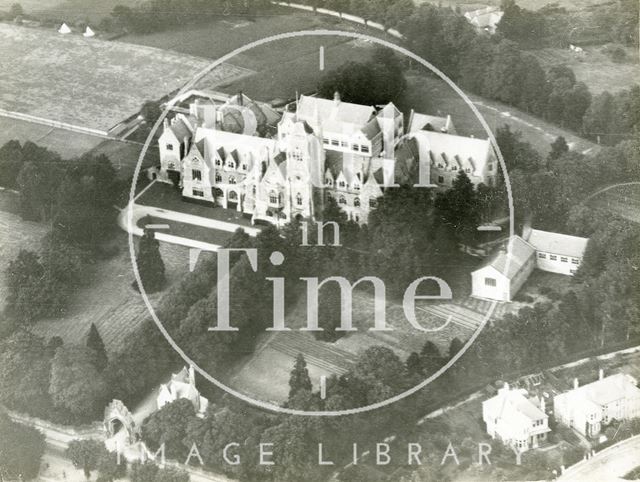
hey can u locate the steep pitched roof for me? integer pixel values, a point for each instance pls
(420, 122)
(557, 243)
(512, 403)
(479, 150)
(336, 116)
(509, 262)
(180, 129)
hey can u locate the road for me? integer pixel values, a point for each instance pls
(610, 464)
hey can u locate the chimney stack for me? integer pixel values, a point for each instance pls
(600, 374)
(165, 124)
(336, 97)
(575, 383)
(543, 405)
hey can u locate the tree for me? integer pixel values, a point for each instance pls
(430, 358)
(24, 373)
(299, 379)
(85, 455)
(460, 209)
(76, 383)
(150, 472)
(559, 147)
(168, 426)
(149, 261)
(16, 11)
(150, 112)
(109, 467)
(95, 343)
(21, 450)
(10, 163)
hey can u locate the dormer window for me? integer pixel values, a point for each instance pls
(341, 184)
(356, 187)
(440, 166)
(329, 182)
(196, 175)
(218, 162)
(342, 200)
(356, 202)
(454, 168)
(218, 178)
(299, 199)
(231, 165)
(169, 147)
(467, 170)
(232, 180)
(273, 197)
(244, 167)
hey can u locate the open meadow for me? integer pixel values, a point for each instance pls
(69, 11)
(90, 83)
(594, 67)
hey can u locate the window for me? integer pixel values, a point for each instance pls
(244, 167)
(440, 165)
(342, 200)
(297, 154)
(356, 202)
(218, 162)
(218, 178)
(341, 184)
(232, 180)
(334, 142)
(169, 147)
(364, 148)
(490, 281)
(253, 190)
(231, 165)
(357, 218)
(299, 199)
(454, 168)
(356, 187)
(563, 259)
(373, 203)
(197, 192)
(553, 257)
(490, 167)
(575, 261)
(325, 140)
(329, 182)
(344, 144)
(171, 166)
(355, 147)
(273, 197)
(233, 196)
(467, 170)
(440, 180)
(542, 256)
(196, 174)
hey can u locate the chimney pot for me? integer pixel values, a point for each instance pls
(336, 97)
(600, 374)
(575, 383)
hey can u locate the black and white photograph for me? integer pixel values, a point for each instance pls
(319, 241)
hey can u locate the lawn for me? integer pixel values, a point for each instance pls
(622, 200)
(283, 67)
(594, 68)
(90, 83)
(70, 11)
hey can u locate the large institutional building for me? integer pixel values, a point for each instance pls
(273, 167)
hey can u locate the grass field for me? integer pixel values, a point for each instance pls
(89, 82)
(622, 200)
(465, 5)
(595, 68)
(69, 11)
(283, 66)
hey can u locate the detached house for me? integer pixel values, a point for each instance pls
(558, 253)
(586, 408)
(516, 420)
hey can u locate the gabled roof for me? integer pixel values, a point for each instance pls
(512, 404)
(420, 122)
(464, 147)
(371, 130)
(557, 243)
(180, 129)
(336, 116)
(509, 262)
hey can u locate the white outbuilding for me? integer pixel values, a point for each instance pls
(64, 29)
(557, 253)
(505, 273)
(88, 32)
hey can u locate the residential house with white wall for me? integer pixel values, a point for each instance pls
(586, 408)
(514, 418)
(557, 253)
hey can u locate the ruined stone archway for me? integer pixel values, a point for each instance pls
(118, 417)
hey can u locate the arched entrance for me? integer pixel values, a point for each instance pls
(118, 418)
(232, 200)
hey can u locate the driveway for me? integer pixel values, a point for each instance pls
(611, 464)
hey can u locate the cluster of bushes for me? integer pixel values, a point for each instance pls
(75, 198)
(21, 449)
(63, 383)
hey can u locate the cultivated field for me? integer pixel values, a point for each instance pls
(89, 82)
(594, 68)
